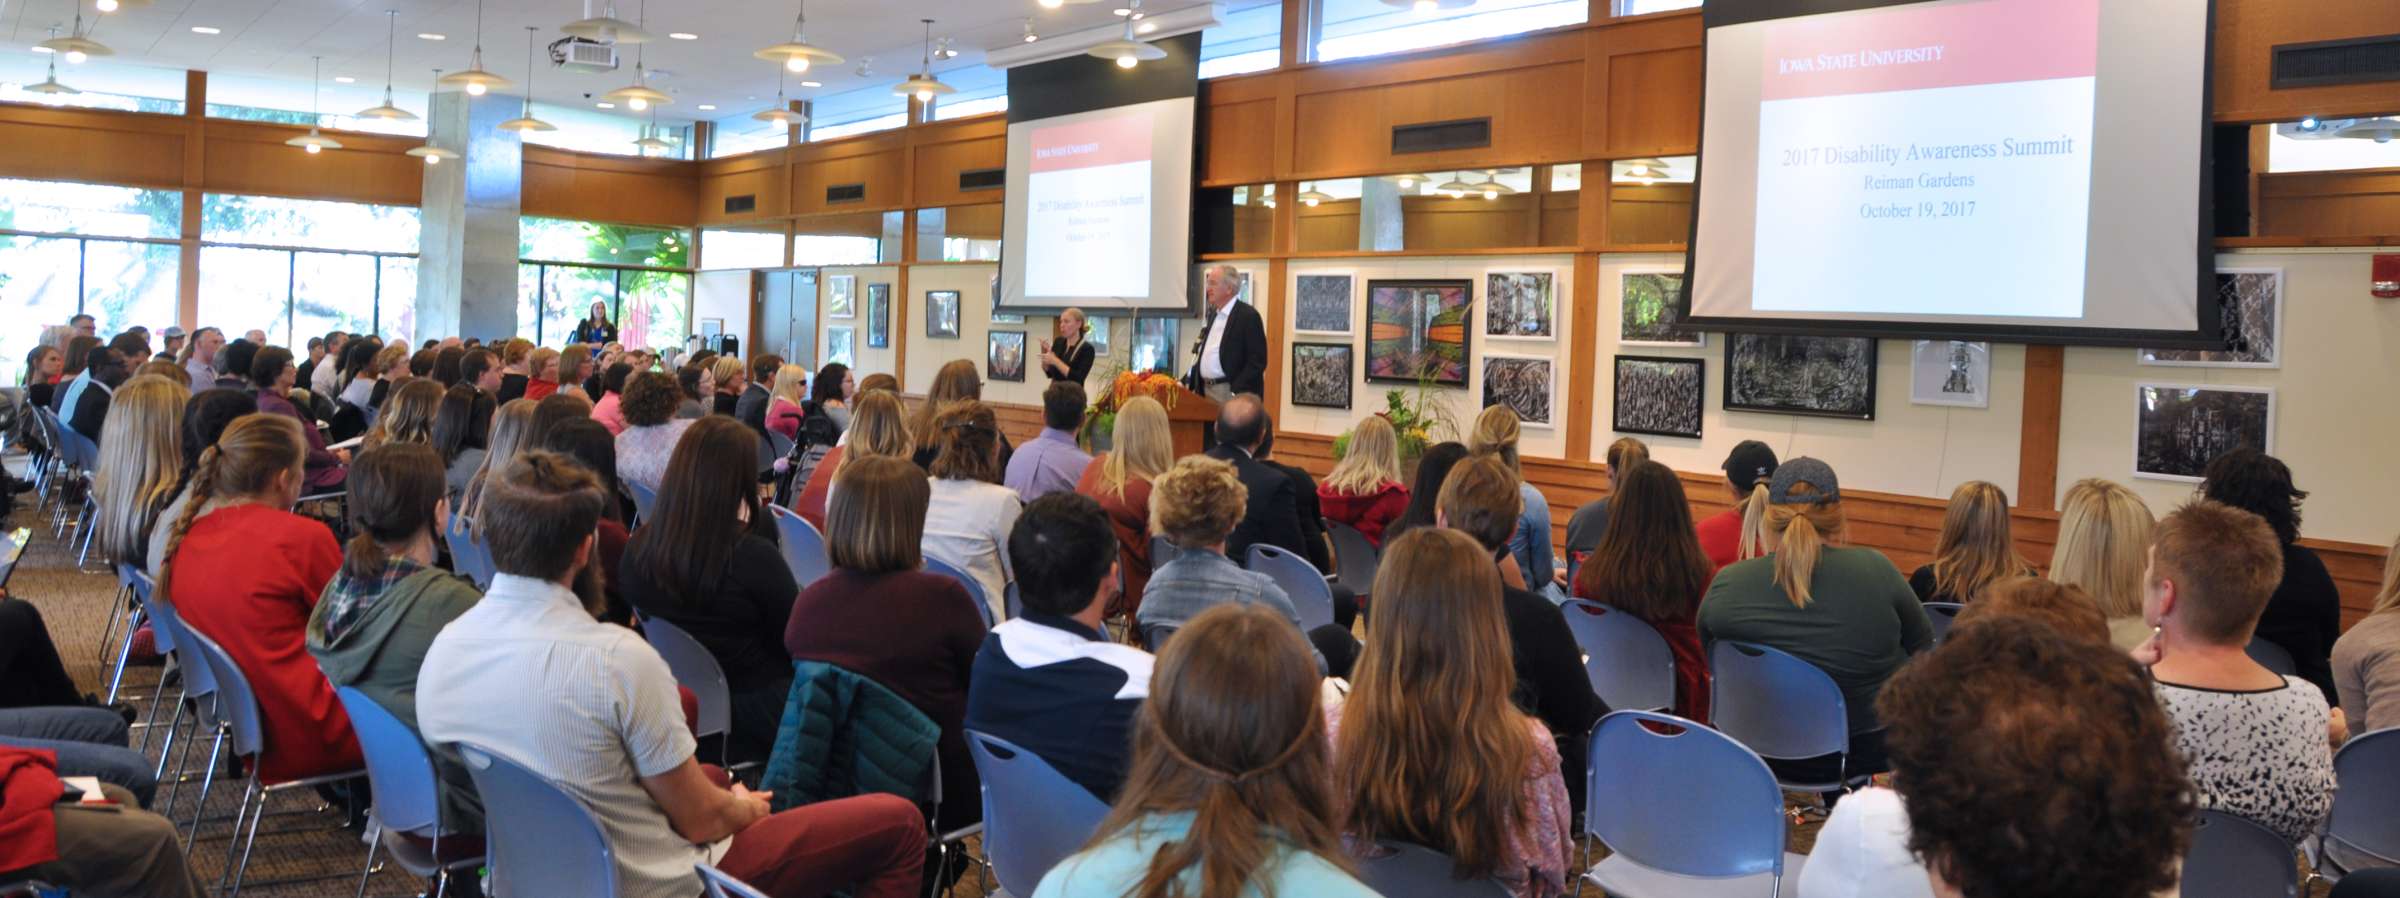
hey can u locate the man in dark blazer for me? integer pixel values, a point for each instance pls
(1273, 515)
(752, 406)
(1231, 357)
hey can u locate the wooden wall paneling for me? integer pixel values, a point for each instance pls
(40, 143)
(1653, 105)
(937, 166)
(2363, 202)
(1644, 214)
(2037, 446)
(621, 189)
(250, 157)
(1237, 142)
(2247, 31)
(1583, 362)
(764, 176)
(1350, 129)
(884, 172)
(900, 331)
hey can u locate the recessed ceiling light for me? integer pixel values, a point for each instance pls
(206, 29)
(708, 107)
(812, 84)
(683, 35)
(1145, 28)
(606, 105)
(430, 36)
(344, 79)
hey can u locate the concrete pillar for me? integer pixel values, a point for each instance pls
(467, 258)
(1379, 226)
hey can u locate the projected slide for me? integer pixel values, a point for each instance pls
(1087, 197)
(1899, 146)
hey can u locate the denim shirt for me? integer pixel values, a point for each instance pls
(1198, 580)
(1530, 544)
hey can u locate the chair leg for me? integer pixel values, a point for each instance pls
(233, 846)
(108, 633)
(207, 781)
(116, 677)
(441, 883)
(374, 842)
(251, 841)
(159, 695)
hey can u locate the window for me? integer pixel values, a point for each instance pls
(55, 260)
(741, 248)
(309, 224)
(1644, 7)
(1349, 29)
(981, 89)
(1248, 38)
(591, 130)
(860, 111)
(94, 210)
(2314, 145)
(567, 240)
(847, 238)
(104, 84)
(640, 273)
(959, 234)
(1496, 208)
(735, 135)
(288, 101)
(1650, 200)
(300, 268)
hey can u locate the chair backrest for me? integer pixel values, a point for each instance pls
(1692, 802)
(1033, 816)
(697, 670)
(2234, 857)
(644, 499)
(538, 839)
(79, 450)
(1415, 871)
(2368, 767)
(1162, 550)
(803, 546)
(1628, 662)
(1154, 637)
(983, 606)
(1299, 580)
(1011, 603)
(237, 705)
(2272, 656)
(1777, 705)
(1354, 558)
(1942, 615)
(715, 883)
(407, 797)
(143, 588)
(468, 555)
(166, 625)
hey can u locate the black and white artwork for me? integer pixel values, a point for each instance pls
(1523, 383)
(1096, 333)
(1950, 372)
(1154, 344)
(2180, 428)
(841, 296)
(1659, 396)
(879, 316)
(1647, 314)
(1520, 305)
(1321, 374)
(841, 345)
(1323, 304)
(1007, 357)
(941, 314)
(1831, 377)
(2250, 300)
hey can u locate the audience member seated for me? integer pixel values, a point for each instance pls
(1649, 564)
(785, 404)
(1585, 528)
(732, 379)
(1432, 468)
(516, 374)
(245, 571)
(1495, 434)
(1975, 548)
(31, 676)
(42, 367)
(554, 410)
(2305, 616)
(446, 361)
(2065, 608)
(1732, 535)
(956, 381)
(271, 375)
(408, 414)
(608, 408)
(968, 522)
(706, 561)
(86, 739)
(879, 615)
(574, 367)
(1051, 682)
(695, 385)
(205, 416)
(589, 444)
(1140, 449)
(141, 454)
(1271, 511)
(1363, 491)
(1229, 791)
(1196, 505)
(2366, 660)
(2103, 543)
(105, 850)
(877, 429)
(79, 354)
(832, 391)
(1052, 462)
(84, 401)
(379, 615)
(199, 363)
(2259, 744)
(541, 369)
(1315, 546)
(391, 366)
(462, 437)
(2026, 763)
(1427, 748)
(591, 707)
(358, 373)
(756, 389)
(651, 429)
(1844, 609)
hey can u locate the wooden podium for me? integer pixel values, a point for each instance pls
(1188, 421)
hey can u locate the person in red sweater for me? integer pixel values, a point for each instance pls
(1364, 489)
(245, 571)
(1649, 565)
(1746, 471)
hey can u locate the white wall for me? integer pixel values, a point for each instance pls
(973, 283)
(723, 294)
(865, 361)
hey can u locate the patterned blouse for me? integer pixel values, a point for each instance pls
(2263, 755)
(1541, 846)
(642, 452)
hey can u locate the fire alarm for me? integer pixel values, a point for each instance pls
(2385, 282)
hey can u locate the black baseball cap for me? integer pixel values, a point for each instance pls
(1750, 462)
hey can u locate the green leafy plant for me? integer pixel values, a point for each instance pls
(1418, 417)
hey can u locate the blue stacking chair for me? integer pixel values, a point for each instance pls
(715, 883)
(803, 546)
(1685, 814)
(2272, 656)
(1162, 550)
(2234, 857)
(1780, 707)
(2363, 831)
(468, 555)
(699, 672)
(1011, 603)
(1628, 662)
(644, 499)
(983, 606)
(1415, 871)
(538, 839)
(237, 705)
(407, 794)
(199, 695)
(1942, 615)
(1033, 816)
(1354, 558)
(1299, 580)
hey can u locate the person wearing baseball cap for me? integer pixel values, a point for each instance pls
(171, 342)
(1844, 609)
(1747, 468)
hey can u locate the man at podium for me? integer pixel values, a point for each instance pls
(1231, 357)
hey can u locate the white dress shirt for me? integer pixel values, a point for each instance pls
(1212, 367)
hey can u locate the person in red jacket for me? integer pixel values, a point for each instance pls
(1747, 468)
(1364, 489)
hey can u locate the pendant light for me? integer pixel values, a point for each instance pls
(2379, 130)
(797, 54)
(781, 113)
(1311, 196)
(433, 153)
(1645, 171)
(1128, 51)
(650, 142)
(1491, 187)
(1454, 188)
(314, 141)
(114, 5)
(923, 85)
(387, 111)
(607, 28)
(1426, 6)
(639, 95)
(77, 46)
(527, 122)
(475, 80)
(52, 92)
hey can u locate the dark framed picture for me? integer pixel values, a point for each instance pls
(1658, 395)
(2251, 301)
(1646, 311)
(1007, 357)
(1154, 344)
(1831, 377)
(1321, 374)
(2180, 428)
(1322, 305)
(1523, 383)
(1519, 305)
(941, 314)
(879, 316)
(1417, 329)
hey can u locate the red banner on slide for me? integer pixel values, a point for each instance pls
(1108, 140)
(1949, 44)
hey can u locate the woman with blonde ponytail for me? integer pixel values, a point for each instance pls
(1732, 535)
(1495, 434)
(245, 571)
(1844, 609)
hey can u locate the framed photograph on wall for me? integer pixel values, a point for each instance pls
(1154, 345)
(1418, 329)
(1199, 286)
(1321, 304)
(1098, 333)
(1006, 360)
(879, 316)
(841, 345)
(1646, 314)
(841, 296)
(941, 314)
(1950, 372)
(2251, 302)
(2180, 428)
(1321, 374)
(1659, 396)
(1520, 305)
(1831, 377)
(1523, 383)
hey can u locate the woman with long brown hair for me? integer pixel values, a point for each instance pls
(1974, 550)
(408, 414)
(1649, 564)
(955, 382)
(968, 522)
(1228, 793)
(1428, 749)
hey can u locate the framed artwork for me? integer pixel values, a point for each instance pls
(1832, 377)
(1523, 383)
(1646, 312)
(1006, 360)
(1418, 329)
(2251, 302)
(841, 296)
(1950, 372)
(1154, 344)
(1520, 306)
(879, 316)
(2180, 428)
(1321, 374)
(841, 345)
(941, 314)
(1658, 396)
(1322, 304)
(1097, 335)
(997, 316)
(1199, 285)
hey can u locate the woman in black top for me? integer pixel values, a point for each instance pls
(705, 560)
(1068, 357)
(2305, 614)
(595, 328)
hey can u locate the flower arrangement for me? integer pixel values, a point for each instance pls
(1100, 421)
(1418, 418)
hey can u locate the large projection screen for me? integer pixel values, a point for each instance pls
(2024, 170)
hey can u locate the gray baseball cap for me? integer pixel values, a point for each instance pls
(1816, 474)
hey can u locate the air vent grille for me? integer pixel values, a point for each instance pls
(1428, 137)
(845, 193)
(736, 205)
(2357, 60)
(983, 179)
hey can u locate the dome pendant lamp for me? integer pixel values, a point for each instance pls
(639, 95)
(923, 85)
(798, 55)
(781, 113)
(314, 141)
(77, 46)
(1128, 51)
(475, 80)
(387, 111)
(526, 121)
(50, 90)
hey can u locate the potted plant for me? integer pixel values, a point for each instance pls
(1100, 421)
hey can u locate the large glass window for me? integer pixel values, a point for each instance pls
(1248, 38)
(301, 268)
(311, 224)
(96, 210)
(1497, 208)
(1348, 29)
(738, 134)
(568, 240)
(981, 89)
(959, 234)
(639, 272)
(1641, 7)
(866, 109)
(761, 248)
(56, 263)
(606, 130)
(847, 238)
(1650, 200)
(287, 101)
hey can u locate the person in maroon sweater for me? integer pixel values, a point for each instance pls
(879, 615)
(1649, 564)
(272, 375)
